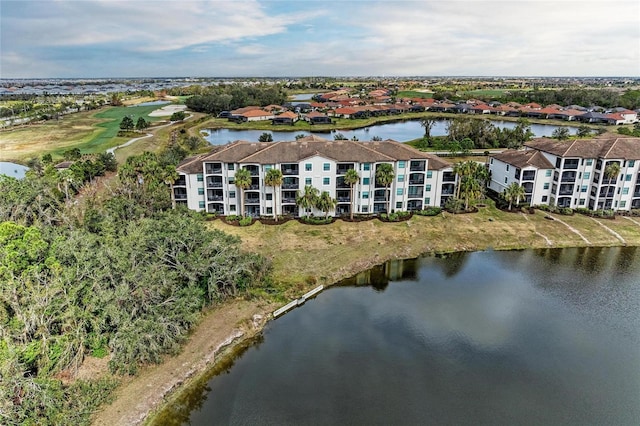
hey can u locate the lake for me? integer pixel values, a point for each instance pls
(399, 131)
(12, 169)
(532, 337)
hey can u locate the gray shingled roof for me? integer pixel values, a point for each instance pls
(522, 159)
(618, 148)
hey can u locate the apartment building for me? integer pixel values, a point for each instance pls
(206, 182)
(573, 173)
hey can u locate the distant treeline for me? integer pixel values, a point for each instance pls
(212, 100)
(605, 98)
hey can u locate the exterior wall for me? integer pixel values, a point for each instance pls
(502, 175)
(214, 190)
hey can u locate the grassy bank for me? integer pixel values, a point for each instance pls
(304, 255)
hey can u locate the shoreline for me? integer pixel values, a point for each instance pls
(257, 238)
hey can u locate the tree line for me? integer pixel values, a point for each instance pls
(214, 99)
(118, 273)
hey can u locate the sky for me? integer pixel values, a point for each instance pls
(260, 38)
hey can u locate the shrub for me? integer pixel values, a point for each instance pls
(312, 220)
(246, 221)
(429, 211)
(566, 211)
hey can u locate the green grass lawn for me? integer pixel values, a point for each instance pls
(414, 94)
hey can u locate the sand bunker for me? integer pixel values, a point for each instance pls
(166, 111)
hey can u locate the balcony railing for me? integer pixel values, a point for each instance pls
(416, 181)
(180, 197)
(290, 186)
(288, 200)
(213, 170)
(343, 169)
(528, 175)
(289, 171)
(344, 199)
(214, 184)
(379, 198)
(446, 178)
(215, 198)
(252, 200)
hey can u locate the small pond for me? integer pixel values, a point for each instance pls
(12, 169)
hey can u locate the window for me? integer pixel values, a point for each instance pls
(232, 194)
(398, 205)
(546, 186)
(587, 175)
(401, 165)
(231, 180)
(365, 209)
(366, 166)
(583, 188)
(366, 181)
(269, 197)
(200, 177)
(200, 191)
(544, 198)
(326, 167)
(308, 167)
(491, 161)
(231, 166)
(326, 181)
(268, 167)
(507, 167)
(623, 204)
(400, 178)
(269, 210)
(427, 201)
(428, 188)
(399, 191)
(365, 195)
(232, 208)
(505, 180)
(307, 181)
(627, 178)
(631, 163)
(589, 161)
(548, 173)
(429, 174)
(582, 201)
(201, 204)
(625, 191)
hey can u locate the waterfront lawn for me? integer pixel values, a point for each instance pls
(304, 255)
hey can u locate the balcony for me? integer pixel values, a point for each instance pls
(416, 179)
(528, 187)
(290, 186)
(529, 175)
(288, 200)
(566, 190)
(448, 177)
(180, 195)
(289, 169)
(182, 181)
(607, 191)
(340, 183)
(568, 177)
(415, 192)
(215, 198)
(342, 168)
(213, 169)
(252, 200)
(214, 184)
(343, 199)
(571, 164)
(418, 166)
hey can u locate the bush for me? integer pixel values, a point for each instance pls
(246, 221)
(313, 220)
(429, 211)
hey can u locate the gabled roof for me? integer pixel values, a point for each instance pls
(613, 148)
(288, 114)
(524, 158)
(257, 113)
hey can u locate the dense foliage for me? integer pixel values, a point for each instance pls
(123, 276)
(214, 99)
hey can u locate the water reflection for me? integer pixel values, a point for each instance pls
(522, 337)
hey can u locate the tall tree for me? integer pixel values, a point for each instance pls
(242, 182)
(352, 178)
(428, 123)
(170, 176)
(611, 172)
(513, 193)
(384, 177)
(307, 199)
(273, 179)
(127, 123)
(325, 203)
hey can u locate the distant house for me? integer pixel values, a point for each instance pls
(287, 117)
(315, 117)
(257, 115)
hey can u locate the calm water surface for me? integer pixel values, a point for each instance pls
(400, 131)
(12, 169)
(534, 337)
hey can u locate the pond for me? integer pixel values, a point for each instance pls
(399, 131)
(534, 337)
(12, 169)
(151, 103)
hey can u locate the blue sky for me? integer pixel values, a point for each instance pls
(135, 38)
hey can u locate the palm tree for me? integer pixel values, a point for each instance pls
(170, 176)
(513, 193)
(352, 178)
(326, 203)
(242, 182)
(308, 199)
(385, 176)
(611, 172)
(273, 178)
